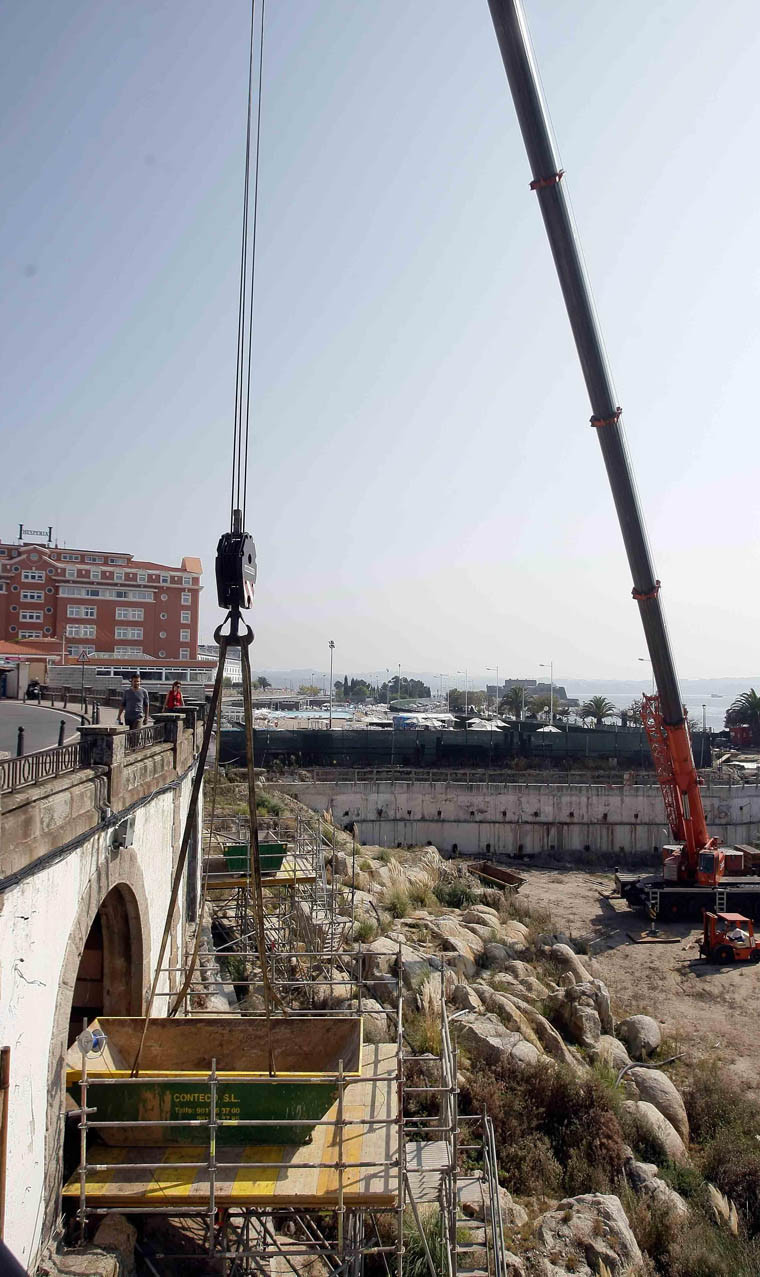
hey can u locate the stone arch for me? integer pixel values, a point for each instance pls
(116, 896)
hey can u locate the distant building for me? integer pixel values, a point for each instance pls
(232, 665)
(96, 601)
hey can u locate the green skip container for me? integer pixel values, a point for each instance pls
(175, 1066)
(271, 856)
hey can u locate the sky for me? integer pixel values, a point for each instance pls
(424, 487)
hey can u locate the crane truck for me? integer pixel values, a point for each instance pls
(693, 876)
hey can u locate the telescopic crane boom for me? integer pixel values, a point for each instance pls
(664, 717)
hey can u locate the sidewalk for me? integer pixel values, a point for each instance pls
(108, 713)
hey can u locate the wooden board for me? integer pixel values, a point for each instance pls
(289, 1177)
(285, 878)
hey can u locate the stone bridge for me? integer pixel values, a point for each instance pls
(86, 864)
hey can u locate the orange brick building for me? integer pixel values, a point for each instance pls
(99, 601)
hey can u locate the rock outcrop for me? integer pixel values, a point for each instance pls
(656, 1088)
(582, 1234)
(657, 1130)
(486, 1039)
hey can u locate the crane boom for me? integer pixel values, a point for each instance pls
(673, 760)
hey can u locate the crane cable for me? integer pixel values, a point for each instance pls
(241, 424)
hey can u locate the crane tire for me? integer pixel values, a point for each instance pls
(724, 953)
(755, 955)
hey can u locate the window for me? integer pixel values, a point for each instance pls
(118, 576)
(30, 616)
(76, 649)
(162, 634)
(128, 651)
(80, 631)
(95, 574)
(163, 616)
(130, 613)
(90, 611)
(116, 558)
(128, 632)
(184, 653)
(184, 636)
(187, 580)
(185, 598)
(184, 618)
(31, 596)
(164, 579)
(71, 574)
(93, 558)
(70, 558)
(103, 673)
(92, 594)
(73, 610)
(142, 578)
(162, 654)
(32, 634)
(32, 576)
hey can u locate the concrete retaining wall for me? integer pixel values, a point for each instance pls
(623, 822)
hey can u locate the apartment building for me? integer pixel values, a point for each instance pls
(99, 601)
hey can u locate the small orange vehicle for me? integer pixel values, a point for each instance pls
(729, 937)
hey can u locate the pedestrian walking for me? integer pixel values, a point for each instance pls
(135, 704)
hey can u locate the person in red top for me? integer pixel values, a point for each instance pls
(174, 697)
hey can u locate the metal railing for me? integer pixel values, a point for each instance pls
(27, 769)
(142, 737)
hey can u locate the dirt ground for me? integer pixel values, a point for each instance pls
(702, 1009)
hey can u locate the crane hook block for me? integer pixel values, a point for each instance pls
(235, 570)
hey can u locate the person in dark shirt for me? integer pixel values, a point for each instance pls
(134, 704)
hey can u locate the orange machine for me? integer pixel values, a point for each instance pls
(722, 941)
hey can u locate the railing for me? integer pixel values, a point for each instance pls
(142, 737)
(43, 765)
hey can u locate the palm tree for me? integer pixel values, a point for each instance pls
(746, 710)
(538, 705)
(512, 703)
(598, 708)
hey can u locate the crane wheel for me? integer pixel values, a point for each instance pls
(755, 955)
(724, 953)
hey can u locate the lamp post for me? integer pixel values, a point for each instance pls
(399, 680)
(550, 668)
(331, 646)
(646, 661)
(465, 696)
(496, 702)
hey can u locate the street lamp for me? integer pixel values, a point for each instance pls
(331, 646)
(465, 696)
(490, 668)
(550, 668)
(647, 661)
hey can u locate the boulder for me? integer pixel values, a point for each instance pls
(657, 1130)
(115, 1233)
(486, 1039)
(483, 933)
(656, 1088)
(508, 1013)
(551, 1041)
(569, 959)
(472, 1198)
(641, 1034)
(664, 1198)
(465, 998)
(513, 1265)
(584, 1233)
(574, 1011)
(377, 1025)
(496, 956)
(483, 915)
(459, 956)
(611, 1052)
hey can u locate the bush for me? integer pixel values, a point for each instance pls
(725, 1125)
(559, 1132)
(396, 901)
(455, 895)
(365, 930)
(696, 1247)
(419, 894)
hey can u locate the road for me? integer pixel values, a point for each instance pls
(40, 726)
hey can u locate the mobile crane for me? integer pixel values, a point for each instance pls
(693, 874)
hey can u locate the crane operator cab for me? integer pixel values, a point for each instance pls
(710, 866)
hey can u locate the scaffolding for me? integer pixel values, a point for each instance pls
(347, 1187)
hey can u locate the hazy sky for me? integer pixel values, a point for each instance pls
(426, 488)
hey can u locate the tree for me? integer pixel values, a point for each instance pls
(407, 689)
(309, 689)
(538, 705)
(345, 687)
(745, 710)
(475, 700)
(598, 708)
(512, 703)
(631, 717)
(262, 683)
